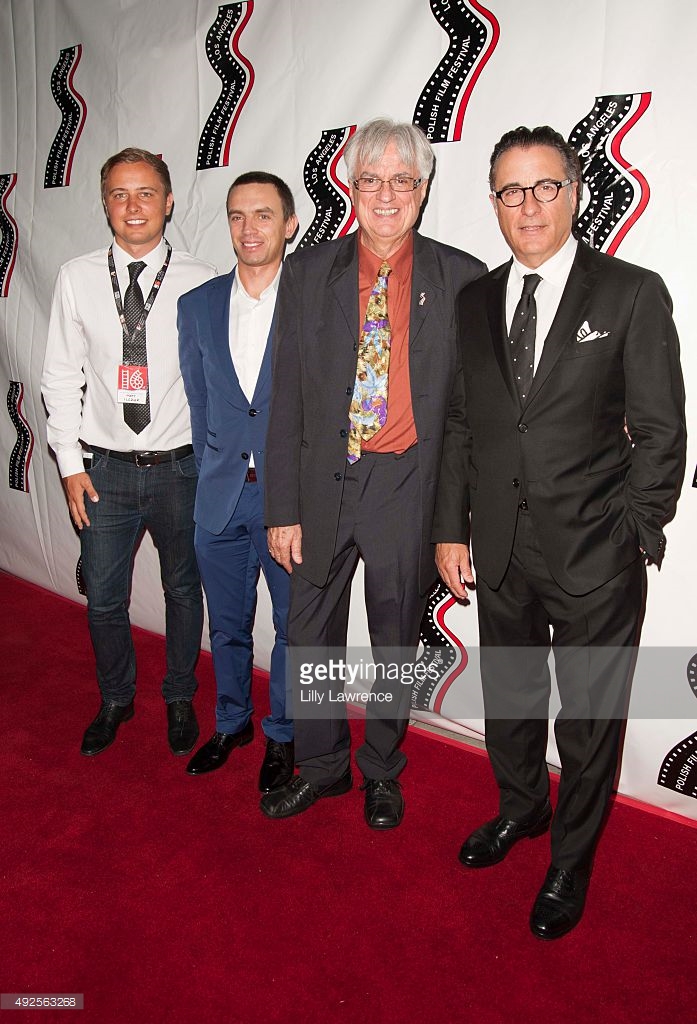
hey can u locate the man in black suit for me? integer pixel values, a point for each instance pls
(565, 446)
(345, 481)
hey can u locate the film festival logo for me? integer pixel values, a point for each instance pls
(20, 456)
(334, 214)
(237, 79)
(474, 33)
(8, 235)
(679, 769)
(73, 116)
(444, 657)
(618, 192)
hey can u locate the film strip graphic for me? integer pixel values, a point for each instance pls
(73, 116)
(679, 769)
(20, 456)
(474, 33)
(334, 214)
(444, 657)
(8, 235)
(619, 193)
(237, 77)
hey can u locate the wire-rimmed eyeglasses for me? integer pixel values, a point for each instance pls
(400, 183)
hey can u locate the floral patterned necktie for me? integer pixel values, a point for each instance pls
(368, 411)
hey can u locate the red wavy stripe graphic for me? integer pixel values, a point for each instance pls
(631, 171)
(496, 32)
(250, 80)
(83, 107)
(8, 276)
(333, 175)
(440, 619)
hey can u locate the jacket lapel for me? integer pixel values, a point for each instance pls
(343, 282)
(570, 314)
(496, 316)
(426, 286)
(219, 315)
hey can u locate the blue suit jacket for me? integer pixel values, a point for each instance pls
(226, 427)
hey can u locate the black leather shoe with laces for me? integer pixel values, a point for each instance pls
(384, 803)
(182, 727)
(213, 754)
(101, 733)
(277, 766)
(491, 843)
(559, 904)
(299, 794)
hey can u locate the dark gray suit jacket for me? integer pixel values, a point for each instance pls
(595, 495)
(314, 369)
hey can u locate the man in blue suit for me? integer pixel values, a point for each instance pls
(225, 354)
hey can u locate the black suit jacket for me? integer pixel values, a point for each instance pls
(595, 495)
(314, 370)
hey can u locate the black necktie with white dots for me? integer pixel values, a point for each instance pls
(522, 336)
(135, 351)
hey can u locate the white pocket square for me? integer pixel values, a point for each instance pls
(586, 334)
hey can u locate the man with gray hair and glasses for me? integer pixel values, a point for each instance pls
(364, 360)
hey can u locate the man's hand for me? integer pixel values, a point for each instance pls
(455, 568)
(285, 545)
(77, 485)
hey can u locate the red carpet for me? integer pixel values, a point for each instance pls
(167, 898)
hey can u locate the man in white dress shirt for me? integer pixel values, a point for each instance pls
(225, 328)
(119, 424)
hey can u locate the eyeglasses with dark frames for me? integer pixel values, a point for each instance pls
(544, 191)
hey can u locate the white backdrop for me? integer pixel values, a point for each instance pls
(278, 85)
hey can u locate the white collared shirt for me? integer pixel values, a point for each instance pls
(554, 273)
(250, 323)
(85, 348)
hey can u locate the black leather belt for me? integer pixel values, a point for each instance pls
(146, 458)
(251, 477)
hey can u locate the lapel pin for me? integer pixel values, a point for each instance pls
(422, 298)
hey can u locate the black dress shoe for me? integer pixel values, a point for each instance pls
(101, 733)
(182, 727)
(277, 766)
(559, 904)
(490, 843)
(213, 754)
(384, 803)
(299, 794)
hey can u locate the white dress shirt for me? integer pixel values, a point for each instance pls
(85, 348)
(250, 323)
(554, 273)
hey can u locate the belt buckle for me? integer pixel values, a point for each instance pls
(143, 465)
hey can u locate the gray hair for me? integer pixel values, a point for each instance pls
(367, 146)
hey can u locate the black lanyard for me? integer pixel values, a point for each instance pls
(151, 297)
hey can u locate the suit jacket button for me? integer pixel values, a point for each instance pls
(337, 476)
(244, 455)
(252, 412)
(523, 505)
(349, 391)
(516, 481)
(343, 433)
(523, 427)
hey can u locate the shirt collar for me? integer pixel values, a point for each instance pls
(154, 259)
(555, 269)
(268, 292)
(400, 261)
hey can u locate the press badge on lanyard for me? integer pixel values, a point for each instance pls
(132, 386)
(132, 383)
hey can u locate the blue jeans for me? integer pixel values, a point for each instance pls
(230, 563)
(132, 499)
